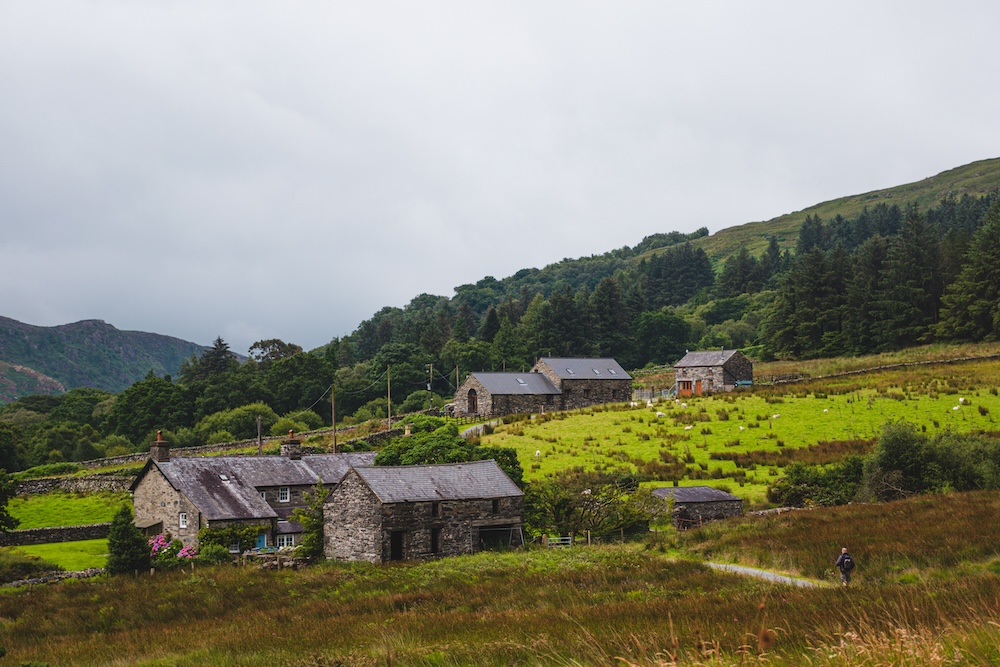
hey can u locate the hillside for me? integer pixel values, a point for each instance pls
(91, 353)
(975, 179)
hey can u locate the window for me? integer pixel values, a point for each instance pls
(263, 495)
(234, 548)
(435, 540)
(182, 519)
(284, 495)
(496, 505)
(286, 541)
(435, 509)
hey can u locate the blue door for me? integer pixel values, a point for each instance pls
(261, 541)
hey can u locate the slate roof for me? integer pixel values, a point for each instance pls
(586, 369)
(449, 481)
(531, 384)
(225, 487)
(694, 494)
(702, 359)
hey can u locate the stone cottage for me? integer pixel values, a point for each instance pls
(552, 384)
(380, 514)
(700, 373)
(694, 505)
(182, 495)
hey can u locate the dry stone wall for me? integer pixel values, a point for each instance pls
(18, 538)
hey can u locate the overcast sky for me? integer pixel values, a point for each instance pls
(259, 170)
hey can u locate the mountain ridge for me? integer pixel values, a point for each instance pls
(88, 353)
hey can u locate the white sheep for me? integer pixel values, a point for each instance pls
(775, 416)
(688, 427)
(660, 414)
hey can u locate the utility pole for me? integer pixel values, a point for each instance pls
(430, 392)
(333, 414)
(388, 393)
(260, 439)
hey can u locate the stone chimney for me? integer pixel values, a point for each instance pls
(159, 449)
(291, 447)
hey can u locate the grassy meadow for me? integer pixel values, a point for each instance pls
(636, 604)
(741, 441)
(46, 510)
(70, 556)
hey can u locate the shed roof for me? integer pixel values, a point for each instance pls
(582, 368)
(694, 494)
(449, 481)
(226, 487)
(709, 358)
(529, 384)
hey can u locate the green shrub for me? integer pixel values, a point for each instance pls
(214, 554)
(47, 470)
(15, 565)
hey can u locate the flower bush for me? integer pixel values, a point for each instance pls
(167, 552)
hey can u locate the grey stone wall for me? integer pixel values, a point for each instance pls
(89, 484)
(686, 515)
(352, 522)
(16, 538)
(584, 393)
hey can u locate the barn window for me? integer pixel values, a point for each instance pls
(435, 540)
(284, 494)
(473, 401)
(496, 505)
(435, 509)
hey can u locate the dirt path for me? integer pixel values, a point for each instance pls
(766, 575)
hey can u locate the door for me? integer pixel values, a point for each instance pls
(396, 545)
(473, 402)
(697, 387)
(261, 541)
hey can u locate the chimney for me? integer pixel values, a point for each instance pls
(291, 448)
(159, 449)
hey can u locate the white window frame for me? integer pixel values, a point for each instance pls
(286, 541)
(182, 519)
(284, 494)
(263, 495)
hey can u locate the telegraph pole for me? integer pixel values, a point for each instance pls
(333, 415)
(430, 392)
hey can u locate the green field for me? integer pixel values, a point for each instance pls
(71, 556)
(46, 510)
(818, 421)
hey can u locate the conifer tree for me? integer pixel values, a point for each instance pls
(127, 548)
(972, 303)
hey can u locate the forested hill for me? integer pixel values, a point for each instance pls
(91, 353)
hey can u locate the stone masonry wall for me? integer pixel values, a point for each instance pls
(459, 523)
(584, 393)
(90, 484)
(352, 522)
(16, 538)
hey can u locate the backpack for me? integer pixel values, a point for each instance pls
(848, 564)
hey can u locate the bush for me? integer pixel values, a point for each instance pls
(286, 424)
(46, 470)
(15, 565)
(219, 437)
(213, 554)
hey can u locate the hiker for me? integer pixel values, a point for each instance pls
(846, 564)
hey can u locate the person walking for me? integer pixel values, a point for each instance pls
(846, 564)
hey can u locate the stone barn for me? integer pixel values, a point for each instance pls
(694, 505)
(182, 495)
(700, 373)
(552, 384)
(391, 513)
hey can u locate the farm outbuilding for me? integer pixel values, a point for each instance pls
(700, 373)
(694, 505)
(552, 384)
(387, 513)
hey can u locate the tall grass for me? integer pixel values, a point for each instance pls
(581, 606)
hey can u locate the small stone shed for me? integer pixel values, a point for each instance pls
(389, 513)
(552, 384)
(182, 495)
(694, 505)
(700, 373)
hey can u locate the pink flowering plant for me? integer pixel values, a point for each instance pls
(166, 552)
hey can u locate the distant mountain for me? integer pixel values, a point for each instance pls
(91, 353)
